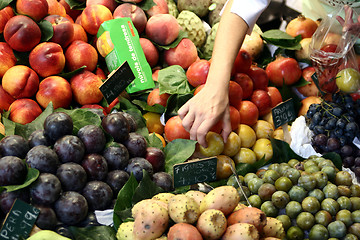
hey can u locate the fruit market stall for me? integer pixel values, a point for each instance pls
(91, 146)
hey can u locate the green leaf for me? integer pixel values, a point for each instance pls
(38, 123)
(9, 126)
(174, 103)
(154, 141)
(282, 152)
(81, 117)
(4, 3)
(316, 81)
(182, 34)
(178, 151)
(156, 108)
(31, 176)
(302, 82)
(172, 80)
(93, 233)
(69, 75)
(78, 5)
(47, 30)
(146, 189)
(244, 168)
(124, 201)
(146, 4)
(140, 121)
(282, 39)
(125, 104)
(335, 158)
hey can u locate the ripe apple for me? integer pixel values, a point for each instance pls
(249, 113)
(174, 129)
(246, 84)
(348, 80)
(197, 72)
(259, 77)
(283, 70)
(309, 89)
(275, 96)
(235, 94)
(242, 62)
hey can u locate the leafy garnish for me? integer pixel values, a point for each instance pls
(93, 233)
(156, 108)
(178, 151)
(68, 75)
(76, 5)
(282, 39)
(172, 80)
(182, 34)
(146, 4)
(47, 30)
(154, 141)
(32, 175)
(4, 3)
(174, 103)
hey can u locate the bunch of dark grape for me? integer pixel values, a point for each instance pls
(335, 124)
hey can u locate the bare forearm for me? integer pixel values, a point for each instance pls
(229, 37)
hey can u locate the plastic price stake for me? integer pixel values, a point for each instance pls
(20, 221)
(117, 82)
(197, 171)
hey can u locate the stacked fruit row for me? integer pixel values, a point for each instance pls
(79, 172)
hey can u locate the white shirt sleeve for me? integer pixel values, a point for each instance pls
(248, 10)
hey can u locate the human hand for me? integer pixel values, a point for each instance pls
(203, 111)
(348, 24)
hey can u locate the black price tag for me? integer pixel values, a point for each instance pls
(193, 172)
(117, 82)
(20, 221)
(283, 113)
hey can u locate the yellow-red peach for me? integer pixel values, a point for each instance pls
(151, 52)
(63, 30)
(24, 111)
(85, 88)
(7, 58)
(20, 82)
(80, 53)
(73, 13)
(110, 4)
(100, 73)
(133, 1)
(184, 54)
(6, 99)
(55, 8)
(22, 33)
(163, 29)
(79, 33)
(47, 59)
(160, 7)
(93, 16)
(135, 13)
(54, 89)
(36, 9)
(5, 14)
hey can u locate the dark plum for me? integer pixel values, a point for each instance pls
(71, 208)
(116, 125)
(163, 180)
(357, 162)
(43, 158)
(117, 156)
(156, 157)
(136, 145)
(13, 171)
(58, 124)
(346, 150)
(70, 148)
(7, 198)
(95, 166)
(72, 176)
(320, 139)
(45, 190)
(136, 167)
(38, 138)
(131, 121)
(14, 145)
(47, 218)
(333, 144)
(348, 161)
(93, 138)
(90, 220)
(116, 179)
(98, 195)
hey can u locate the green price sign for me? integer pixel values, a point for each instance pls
(193, 172)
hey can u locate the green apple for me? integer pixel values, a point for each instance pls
(348, 80)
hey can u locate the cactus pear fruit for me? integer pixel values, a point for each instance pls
(212, 224)
(183, 209)
(223, 198)
(144, 204)
(183, 231)
(198, 196)
(150, 222)
(165, 197)
(240, 206)
(125, 231)
(273, 228)
(249, 215)
(241, 231)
